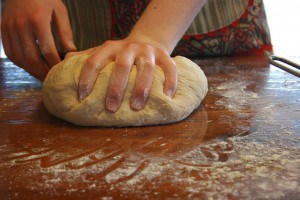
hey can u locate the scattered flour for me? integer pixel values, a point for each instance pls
(255, 168)
(262, 165)
(234, 94)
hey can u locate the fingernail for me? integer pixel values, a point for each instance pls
(82, 96)
(82, 93)
(72, 45)
(170, 93)
(137, 104)
(112, 105)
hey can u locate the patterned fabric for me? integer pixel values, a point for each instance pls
(248, 35)
(90, 21)
(125, 15)
(221, 28)
(217, 14)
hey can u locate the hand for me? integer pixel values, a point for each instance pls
(27, 36)
(125, 53)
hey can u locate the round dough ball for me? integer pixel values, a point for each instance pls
(60, 96)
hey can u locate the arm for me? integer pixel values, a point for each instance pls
(150, 42)
(165, 21)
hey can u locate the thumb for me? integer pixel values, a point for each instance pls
(63, 26)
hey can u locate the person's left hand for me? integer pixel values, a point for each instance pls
(27, 34)
(126, 53)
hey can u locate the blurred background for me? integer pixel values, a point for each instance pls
(283, 21)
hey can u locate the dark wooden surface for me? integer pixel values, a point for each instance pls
(243, 142)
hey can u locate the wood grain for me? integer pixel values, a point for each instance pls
(243, 141)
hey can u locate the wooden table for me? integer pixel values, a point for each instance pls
(243, 142)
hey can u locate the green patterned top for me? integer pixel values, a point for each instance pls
(91, 20)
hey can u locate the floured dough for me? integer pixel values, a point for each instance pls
(60, 96)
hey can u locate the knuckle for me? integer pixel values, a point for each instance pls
(147, 47)
(20, 23)
(145, 62)
(131, 45)
(149, 64)
(108, 43)
(47, 52)
(140, 47)
(162, 52)
(114, 92)
(90, 64)
(35, 19)
(121, 65)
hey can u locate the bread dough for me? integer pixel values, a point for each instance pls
(60, 96)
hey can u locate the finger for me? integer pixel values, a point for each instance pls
(34, 62)
(90, 70)
(46, 42)
(170, 69)
(118, 80)
(6, 40)
(143, 83)
(64, 30)
(17, 53)
(88, 51)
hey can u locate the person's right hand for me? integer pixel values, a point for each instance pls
(27, 37)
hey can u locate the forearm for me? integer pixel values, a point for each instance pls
(165, 21)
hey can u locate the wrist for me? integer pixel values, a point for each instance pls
(146, 39)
